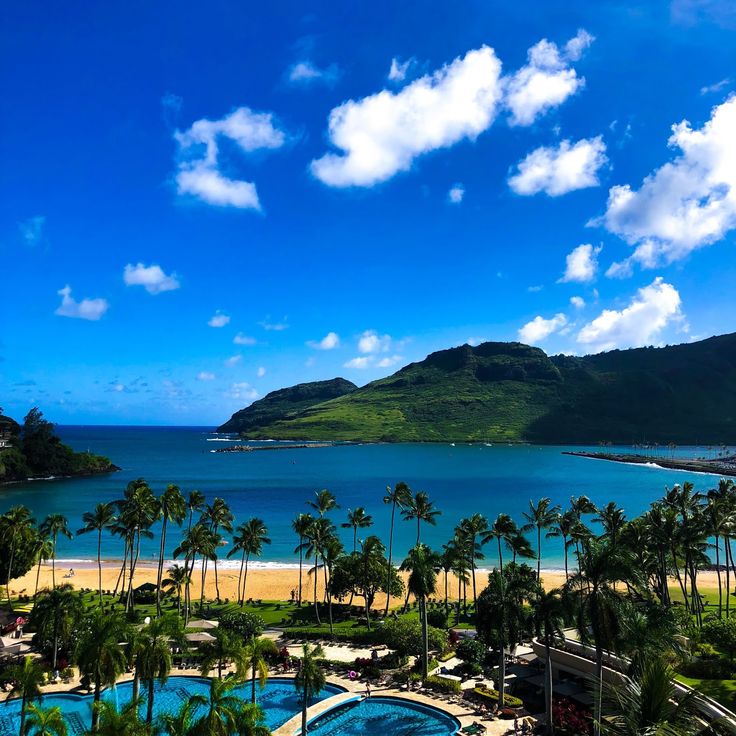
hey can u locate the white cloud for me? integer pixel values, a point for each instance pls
(91, 309)
(261, 371)
(306, 72)
(540, 328)
(577, 301)
(535, 289)
(152, 278)
(560, 169)
(242, 339)
(233, 360)
(371, 342)
(399, 69)
(31, 230)
(270, 326)
(546, 81)
(218, 319)
(382, 134)
(715, 87)
(329, 342)
(199, 171)
(643, 320)
(581, 264)
(361, 362)
(243, 391)
(205, 376)
(686, 204)
(475, 341)
(389, 360)
(456, 194)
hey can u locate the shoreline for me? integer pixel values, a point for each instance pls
(723, 467)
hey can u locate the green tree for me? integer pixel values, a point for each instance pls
(42, 551)
(324, 502)
(218, 516)
(178, 579)
(98, 521)
(45, 721)
(503, 529)
(52, 526)
(398, 497)
(564, 526)
(258, 652)
(357, 519)
(173, 511)
(249, 539)
(26, 680)
(301, 525)
(180, 723)
(473, 529)
(421, 509)
(540, 516)
(113, 721)
(310, 678)
(221, 710)
(17, 525)
(55, 617)
(223, 649)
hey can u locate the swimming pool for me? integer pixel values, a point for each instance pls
(279, 700)
(384, 716)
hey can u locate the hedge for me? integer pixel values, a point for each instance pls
(441, 685)
(486, 694)
(358, 635)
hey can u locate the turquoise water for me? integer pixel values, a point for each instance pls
(279, 700)
(461, 480)
(384, 717)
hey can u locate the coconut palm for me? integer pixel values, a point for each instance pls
(195, 502)
(174, 511)
(398, 497)
(249, 539)
(42, 551)
(45, 721)
(26, 680)
(301, 525)
(52, 526)
(258, 651)
(422, 509)
(225, 647)
(221, 710)
(474, 529)
(123, 721)
(563, 526)
(422, 564)
(98, 521)
(613, 520)
(178, 578)
(310, 679)
(199, 540)
(318, 535)
(99, 653)
(55, 617)
(503, 529)
(541, 515)
(154, 657)
(180, 723)
(324, 502)
(357, 519)
(250, 721)
(16, 523)
(331, 553)
(218, 516)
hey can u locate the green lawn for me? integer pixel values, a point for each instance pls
(724, 691)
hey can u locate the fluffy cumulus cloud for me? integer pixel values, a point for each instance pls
(90, 309)
(581, 265)
(305, 72)
(261, 371)
(242, 392)
(361, 362)
(218, 319)
(547, 79)
(152, 278)
(389, 361)
(329, 342)
(233, 360)
(382, 134)
(199, 171)
(540, 328)
(456, 194)
(371, 342)
(205, 376)
(640, 323)
(687, 204)
(556, 170)
(243, 339)
(399, 69)
(577, 301)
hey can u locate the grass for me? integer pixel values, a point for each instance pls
(723, 691)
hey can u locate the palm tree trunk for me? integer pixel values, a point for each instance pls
(245, 576)
(23, 715)
(121, 574)
(99, 564)
(203, 579)
(472, 569)
(599, 694)
(240, 579)
(419, 521)
(425, 637)
(10, 572)
(728, 575)
(539, 551)
(53, 564)
(390, 557)
(447, 613)
(718, 569)
(316, 605)
(501, 675)
(95, 700)
(149, 709)
(548, 688)
(301, 562)
(564, 542)
(305, 702)
(38, 575)
(253, 682)
(160, 573)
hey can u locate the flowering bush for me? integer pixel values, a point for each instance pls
(571, 719)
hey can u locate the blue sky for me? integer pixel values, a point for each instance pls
(200, 203)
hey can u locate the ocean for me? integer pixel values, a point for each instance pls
(460, 479)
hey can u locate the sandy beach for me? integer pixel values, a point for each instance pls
(273, 583)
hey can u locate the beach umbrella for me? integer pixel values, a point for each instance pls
(197, 637)
(203, 623)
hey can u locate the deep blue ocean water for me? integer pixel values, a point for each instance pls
(275, 486)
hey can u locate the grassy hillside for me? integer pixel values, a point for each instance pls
(513, 392)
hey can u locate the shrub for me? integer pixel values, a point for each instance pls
(707, 669)
(405, 636)
(721, 633)
(441, 685)
(471, 668)
(485, 694)
(471, 651)
(445, 656)
(570, 719)
(243, 623)
(437, 618)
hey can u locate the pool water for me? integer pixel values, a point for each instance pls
(384, 716)
(279, 700)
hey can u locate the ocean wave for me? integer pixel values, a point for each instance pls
(224, 439)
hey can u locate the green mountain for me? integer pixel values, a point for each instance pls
(516, 393)
(285, 404)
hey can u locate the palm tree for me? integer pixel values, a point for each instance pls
(219, 516)
(221, 710)
(224, 648)
(180, 723)
(199, 540)
(613, 520)
(473, 528)
(563, 526)
(357, 519)
(250, 721)
(541, 515)
(324, 502)
(26, 680)
(55, 617)
(503, 529)
(195, 502)
(421, 509)
(178, 579)
(154, 657)
(301, 525)
(258, 651)
(174, 510)
(123, 721)
(97, 521)
(249, 540)
(318, 535)
(331, 553)
(447, 563)
(648, 703)
(310, 679)
(42, 551)
(52, 526)
(399, 497)
(17, 522)
(422, 564)
(99, 654)
(45, 721)
(549, 610)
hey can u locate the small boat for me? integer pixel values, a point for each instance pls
(452, 444)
